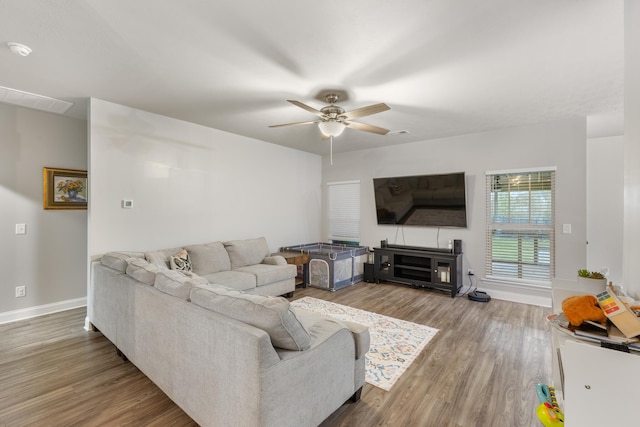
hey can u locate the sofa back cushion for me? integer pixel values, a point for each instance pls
(247, 252)
(176, 283)
(161, 258)
(118, 260)
(208, 258)
(271, 314)
(142, 270)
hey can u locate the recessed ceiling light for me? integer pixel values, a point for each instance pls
(19, 48)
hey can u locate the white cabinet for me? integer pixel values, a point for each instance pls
(600, 386)
(595, 386)
(561, 289)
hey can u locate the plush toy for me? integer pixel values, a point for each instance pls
(581, 308)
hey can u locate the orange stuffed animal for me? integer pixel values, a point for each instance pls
(581, 308)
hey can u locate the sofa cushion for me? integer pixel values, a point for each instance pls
(266, 273)
(142, 270)
(176, 283)
(180, 261)
(208, 258)
(239, 280)
(271, 314)
(247, 252)
(162, 257)
(118, 260)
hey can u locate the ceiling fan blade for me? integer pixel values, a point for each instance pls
(295, 124)
(305, 107)
(367, 128)
(366, 111)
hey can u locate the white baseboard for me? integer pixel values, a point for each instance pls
(88, 326)
(523, 294)
(41, 310)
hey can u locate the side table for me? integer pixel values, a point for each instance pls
(302, 261)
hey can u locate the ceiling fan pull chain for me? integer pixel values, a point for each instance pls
(331, 149)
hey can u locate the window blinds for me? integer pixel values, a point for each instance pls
(521, 225)
(344, 210)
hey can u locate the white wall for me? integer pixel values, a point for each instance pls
(193, 184)
(605, 205)
(631, 244)
(561, 144)
(49, 259)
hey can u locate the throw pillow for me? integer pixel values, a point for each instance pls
(180, 261)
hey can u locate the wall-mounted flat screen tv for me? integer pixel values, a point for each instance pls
(422, 200)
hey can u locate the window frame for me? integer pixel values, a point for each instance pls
(343, 211)
(527, 233)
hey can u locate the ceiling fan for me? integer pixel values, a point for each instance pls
(333, 118)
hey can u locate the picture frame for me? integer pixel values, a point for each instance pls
(64, 188)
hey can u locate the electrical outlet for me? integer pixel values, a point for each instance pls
(470, 272)
(21, 291)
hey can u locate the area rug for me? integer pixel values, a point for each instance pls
(395, 343)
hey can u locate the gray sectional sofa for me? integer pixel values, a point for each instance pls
(244, 265)
(232, 353)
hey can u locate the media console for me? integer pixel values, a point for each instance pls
(419, 267)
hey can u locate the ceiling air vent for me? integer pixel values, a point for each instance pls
(31, 100)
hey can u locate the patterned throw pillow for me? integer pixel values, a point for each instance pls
(181, 261)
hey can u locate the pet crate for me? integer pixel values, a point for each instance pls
(333, 266)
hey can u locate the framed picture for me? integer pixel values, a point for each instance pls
(64, 188)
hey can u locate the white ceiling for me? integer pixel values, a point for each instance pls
(445, 67)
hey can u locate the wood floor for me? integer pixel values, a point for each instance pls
(480, 370)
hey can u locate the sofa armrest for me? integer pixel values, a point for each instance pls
(274, 260)
(360, 336)
(359, 332)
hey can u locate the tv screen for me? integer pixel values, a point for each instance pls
(422, 200)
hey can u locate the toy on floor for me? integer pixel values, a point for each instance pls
(548, 411)
(581, 308)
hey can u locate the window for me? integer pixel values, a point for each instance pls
(520, 225)
(344, 211)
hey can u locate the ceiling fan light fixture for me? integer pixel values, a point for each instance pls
(331, 128)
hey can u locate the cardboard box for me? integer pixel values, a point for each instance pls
(618, 313)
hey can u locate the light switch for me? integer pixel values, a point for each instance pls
(566, 228)
(21, 228)
(127, 204)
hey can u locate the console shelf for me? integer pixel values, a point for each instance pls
(419, 267)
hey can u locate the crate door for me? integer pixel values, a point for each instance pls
(319, 273)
